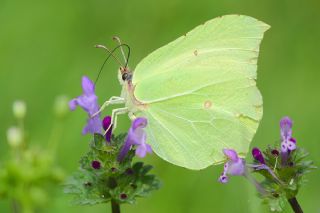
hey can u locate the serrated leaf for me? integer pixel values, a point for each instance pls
(137, 167)
(146, 169)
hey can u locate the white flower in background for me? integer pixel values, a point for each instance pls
(19, 109)
(14, 136)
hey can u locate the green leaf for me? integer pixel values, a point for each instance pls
(137, 167)
(146, 169)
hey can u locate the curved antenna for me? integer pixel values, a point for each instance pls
(128, 56)
(117, 39)
(111, 54)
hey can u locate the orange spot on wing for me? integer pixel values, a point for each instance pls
(207, 104)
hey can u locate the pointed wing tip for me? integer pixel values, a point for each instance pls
(263, 24)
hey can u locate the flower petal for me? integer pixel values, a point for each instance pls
(293, 140)
(136, 136)
(139, 122)
(141, 151)
(149, 149)
(87, 86)
(284, 147)
(93, 126)
(73, 104)
(231, 154)
(285, 126)
(291, 146)
(223, 179)
(89, 102)
(236, 168)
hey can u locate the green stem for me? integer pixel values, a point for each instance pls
(295, 205)
(259, 188)
(15, 206)
(115, 206)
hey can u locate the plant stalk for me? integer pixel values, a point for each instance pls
(15, 206)
(295, 205)
(115, 207)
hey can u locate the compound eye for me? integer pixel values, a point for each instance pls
(124, 76)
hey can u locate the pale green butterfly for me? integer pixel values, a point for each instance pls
(198, 92)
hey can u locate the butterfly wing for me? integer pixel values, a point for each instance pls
(200, 92)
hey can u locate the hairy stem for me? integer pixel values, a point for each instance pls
(295, 205)
(115, 207)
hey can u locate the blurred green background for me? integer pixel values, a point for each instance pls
(46, 46)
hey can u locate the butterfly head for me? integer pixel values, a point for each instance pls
(124, 75)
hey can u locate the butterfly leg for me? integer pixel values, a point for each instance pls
(112, 100)
(114, 115)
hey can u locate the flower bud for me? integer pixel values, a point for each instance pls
(257, 154)
(19, 109)
(106, 122)
(96, 164)
(14, 137)
(123, 196)
(275, 152)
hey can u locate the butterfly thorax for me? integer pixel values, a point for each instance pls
(125, 78)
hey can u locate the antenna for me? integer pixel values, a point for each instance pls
(111, 54)
(117, 39)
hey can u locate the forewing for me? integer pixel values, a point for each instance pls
(222, 49)
(200, 92)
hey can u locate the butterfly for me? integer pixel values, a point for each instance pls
(198, 92)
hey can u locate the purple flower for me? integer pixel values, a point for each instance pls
(136, 136)
(235, 166)
(288, 143)
(257, 154)
(105, 124)
(88, 101)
